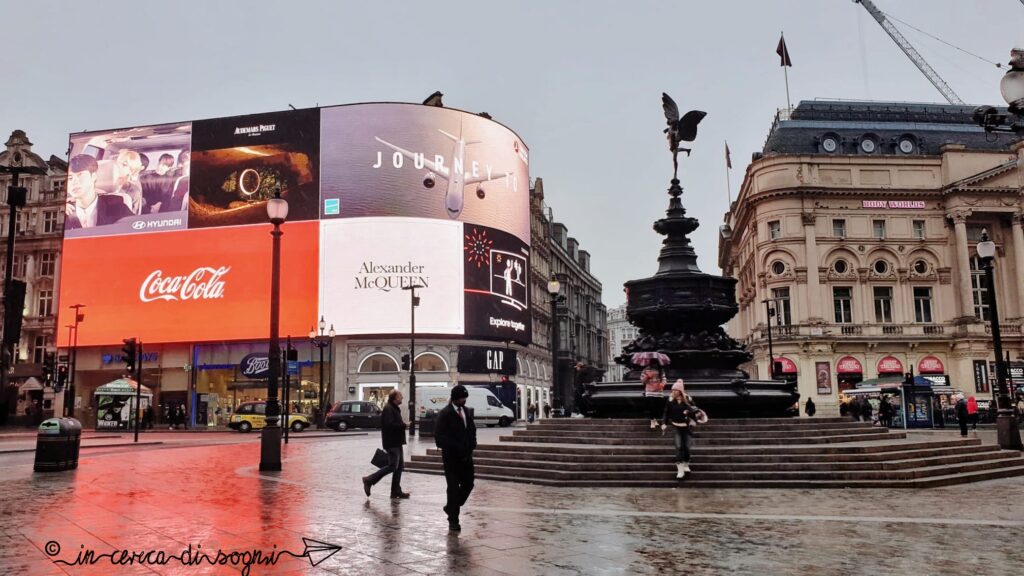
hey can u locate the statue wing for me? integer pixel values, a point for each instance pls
(688, 125)
(671, 110)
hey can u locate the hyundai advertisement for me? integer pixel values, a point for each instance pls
(380, 197)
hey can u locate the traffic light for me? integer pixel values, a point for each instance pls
(129, 354)
(49, 366)
(292, 355)
(62, 376)
(405, 361)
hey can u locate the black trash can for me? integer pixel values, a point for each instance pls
(57, 444)
(426, 423)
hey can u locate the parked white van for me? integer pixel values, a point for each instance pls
(487, 409)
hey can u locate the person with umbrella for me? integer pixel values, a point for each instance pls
(653, 379)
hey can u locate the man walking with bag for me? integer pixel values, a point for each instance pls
(392, 435)
(455, 435)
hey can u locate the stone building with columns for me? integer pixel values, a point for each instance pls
(858, 224)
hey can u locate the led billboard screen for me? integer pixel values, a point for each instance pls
(380, 196)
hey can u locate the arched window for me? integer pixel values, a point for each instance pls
(430, 362)
(378, 363)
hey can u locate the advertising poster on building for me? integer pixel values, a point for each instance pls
(366, 263)
(823, 373)
(238, 163)
(422, 161)
(190, 285)
(128, 181)
(497, 268)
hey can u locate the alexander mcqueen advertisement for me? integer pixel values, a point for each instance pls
(497, 268)
(239, 162)
(189, 285)
(128, 181)
(366, 263)
(423, 161)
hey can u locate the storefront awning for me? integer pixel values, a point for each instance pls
(121, 387)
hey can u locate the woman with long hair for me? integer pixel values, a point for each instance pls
(682, 415)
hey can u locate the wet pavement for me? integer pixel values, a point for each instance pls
(212, 496)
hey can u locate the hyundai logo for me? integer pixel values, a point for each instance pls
(138, 225)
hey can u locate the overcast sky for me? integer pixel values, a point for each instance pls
(580, 81)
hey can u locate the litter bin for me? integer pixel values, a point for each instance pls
(425, 424)
(57, 444)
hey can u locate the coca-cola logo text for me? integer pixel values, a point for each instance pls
(203, 283)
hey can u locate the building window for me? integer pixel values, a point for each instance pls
(775, 229)
(919, 229)
(778, 268)
(923, 305)
(47, 263)
(20, 262)
(921, 267)
(50, 222)
(430, 362)
(378, 363)
(21, 221)
(842, 300)
(979, 290)
(841, 267)
(839, 228)
(45, 307)
(878, 228)
(881, 266)
(883, 304)
(783, 315)
(39, 349)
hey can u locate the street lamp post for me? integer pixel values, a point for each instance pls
(1012, 89)
(321, 341)
(1007, 430)
(769, 312)
(554, 287)
(414, 302)
(69, 392)
(270, 438)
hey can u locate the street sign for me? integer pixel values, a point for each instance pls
(64, 358)
(255, 365)
(293, 367)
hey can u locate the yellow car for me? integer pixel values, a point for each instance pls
(251, 415)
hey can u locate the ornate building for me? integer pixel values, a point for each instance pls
(38, 233)
(858, 223)
(620, 333)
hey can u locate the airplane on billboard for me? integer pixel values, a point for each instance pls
(454, 198)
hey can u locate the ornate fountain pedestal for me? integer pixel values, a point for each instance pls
(680, 312)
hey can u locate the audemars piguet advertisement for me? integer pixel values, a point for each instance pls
(238, 163)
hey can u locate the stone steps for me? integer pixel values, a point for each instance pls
(766, 453)
(707, 441)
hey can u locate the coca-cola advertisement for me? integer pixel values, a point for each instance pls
(190, 285)
(128, 181)
(238, 163)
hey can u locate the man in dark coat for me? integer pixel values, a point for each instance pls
(455, 435)
(392, 435)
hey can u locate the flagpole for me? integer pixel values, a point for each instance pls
(785, 71)
(728, 185)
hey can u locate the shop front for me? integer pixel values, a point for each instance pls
(785, 369)
(849, 372)
(890, 367)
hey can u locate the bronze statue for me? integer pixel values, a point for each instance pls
(679, 129)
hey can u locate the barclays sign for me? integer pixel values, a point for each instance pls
(255, 365)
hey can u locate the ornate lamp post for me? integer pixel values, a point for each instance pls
(270, 440)
(769, 311)
(321, 341)
(554, 287)
(1008, 432)
(1012, 89)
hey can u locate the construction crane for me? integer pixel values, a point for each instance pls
(911, 53)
